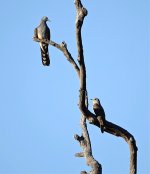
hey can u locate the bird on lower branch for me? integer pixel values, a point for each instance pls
(43, 32)
(99, 111)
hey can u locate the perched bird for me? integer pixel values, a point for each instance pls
(43, 32)
(99, 111)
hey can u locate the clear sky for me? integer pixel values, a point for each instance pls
(39, 113)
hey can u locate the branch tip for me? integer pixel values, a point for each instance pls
(76, 137)
(81, 154)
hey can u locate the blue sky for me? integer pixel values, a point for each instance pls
(39, 113)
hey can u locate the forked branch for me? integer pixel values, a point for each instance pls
(63, 48)
(85, 144)
(109, 127)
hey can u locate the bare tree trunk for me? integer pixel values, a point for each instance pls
(109, 127)
(85, 144)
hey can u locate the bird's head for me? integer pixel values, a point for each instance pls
(45, 19)
(95, 101)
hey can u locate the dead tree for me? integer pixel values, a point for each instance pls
(86, 114)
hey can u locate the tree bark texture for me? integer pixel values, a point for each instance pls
(109, 127)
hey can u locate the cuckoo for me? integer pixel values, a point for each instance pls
(99, 111)
(43, 32)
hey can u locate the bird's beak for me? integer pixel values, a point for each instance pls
(49, 20)
(91, 99)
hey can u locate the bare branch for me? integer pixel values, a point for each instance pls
(108, 127)
(62, 47)
(83, 100)
(81, 154)
(85, 144)
(118, 131)
(81, 13)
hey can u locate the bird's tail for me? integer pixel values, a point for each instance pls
(44, 54)
(101, 123)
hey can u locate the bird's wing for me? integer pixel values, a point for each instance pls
(44, 33)
(98, 109)
(35, 33)
(47, 33)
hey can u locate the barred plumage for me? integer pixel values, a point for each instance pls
(43, 32)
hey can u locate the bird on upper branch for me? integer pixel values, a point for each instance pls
(43, 32)
(99, 111)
